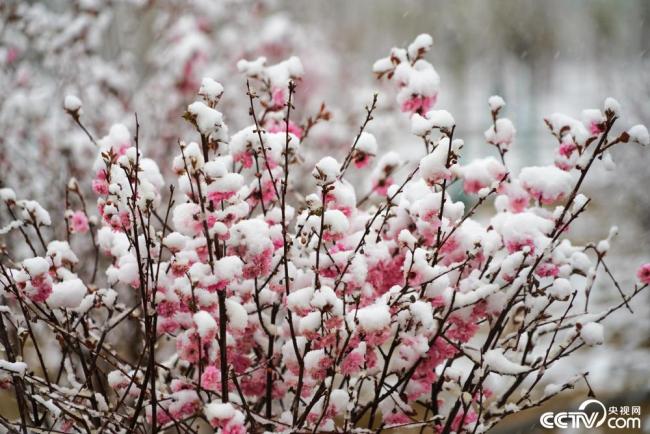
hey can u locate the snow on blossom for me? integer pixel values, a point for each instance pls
(207, 119)
(643, 274)
(434, 166)
(501, 134)
(206, 326)
(497, 361)
(592, 333)
(639, 134)
(326, 170)
(560, 289)
(79, 222)
(547, 184)
(67, 294)
(594, 120)
(496, 103)
(72, 104)
(374, 317)
(187, 219)
(237, 315)
(365, 149)
(481, 173)
(211, 90)
(331, 299)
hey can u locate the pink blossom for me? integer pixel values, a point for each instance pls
(79, 222)
(361, 159)
(381, 186)
(517, 245)
(547, 270)
(217, 196)
(12, 55)
(596, 128)
(244, 158)
(644, 274)
(396, 418)
(99, 184)
(278, 97)
(278, 126)
(518, 204)
(473, 185)
(352, 363)
(419, 104)
(42, 285)
(211, 379)
(259, 265)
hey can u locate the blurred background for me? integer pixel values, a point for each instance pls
(122, 57)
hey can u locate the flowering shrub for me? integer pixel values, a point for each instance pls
(257, 309)
(48, 50)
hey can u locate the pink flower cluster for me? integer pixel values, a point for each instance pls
(274, 301)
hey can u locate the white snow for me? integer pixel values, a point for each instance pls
(300, 298)
(72, 104)
(579, 201)
(419, 79)
(422, 43)
(335, 221)
(36, 265)
(210, 89)
(208, 120)
(17, 368)
(280, 73)
(433, 166)
(311, 322)
(7, 195)
(420, 126)
(499, 363)
(496, 103)
(237, 315)
(367, 143)
(185, 218)
(406, 238)
(326, 170)
(580, 261)
(560, 289)
(33, 211)
(228, 268)
(382, 65)
(592, 116)
(205, 324)
(175, 241)
(484, 171)
(326, 297)
(67, 294)
(471, 297)
(252, 234)
(228, 183)
(550, 181)
(503, 135)
(219, 410)
(61, 253)
(251, 68)
(339, 400)
(374, 317)
(613, 106)
(49, 404)
(313, 359)
(639, 134)
(441, 119)
(592, 333)
(423, 313)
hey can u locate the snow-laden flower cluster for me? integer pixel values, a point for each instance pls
(256, 309)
